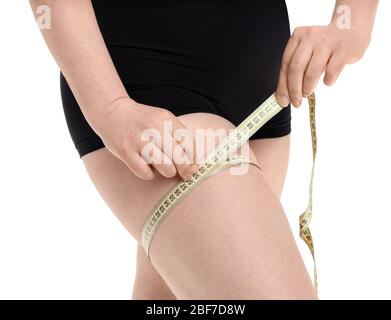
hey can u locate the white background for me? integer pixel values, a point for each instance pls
(58, 239)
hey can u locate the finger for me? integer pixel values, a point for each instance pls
(160, 162)
(316, 67)
(184, 137)
(173, 150)
(185, 147)
(282, 92)
(184, 165)
(334, 68)
(297, 67)
(137, 165)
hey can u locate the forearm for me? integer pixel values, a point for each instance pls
(78, 47)
(361, 13)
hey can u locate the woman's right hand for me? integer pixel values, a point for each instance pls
(133, 132)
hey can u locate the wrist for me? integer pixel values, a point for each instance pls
(98, 118)
(363, 29)
(361, 35)
(346, 18)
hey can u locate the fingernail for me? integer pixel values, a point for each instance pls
(194, 168)
(327, 81)
(297, 102)
(188, 176)
(283, 101)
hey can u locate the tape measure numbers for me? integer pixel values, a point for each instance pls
(221, 157)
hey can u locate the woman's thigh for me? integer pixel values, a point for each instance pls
(272, 154)
(273, 157)
(228, 239)
(131, 198)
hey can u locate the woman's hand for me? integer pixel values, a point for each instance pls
(144, 136)
(314, 50)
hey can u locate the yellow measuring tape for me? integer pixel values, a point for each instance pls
(220, 158)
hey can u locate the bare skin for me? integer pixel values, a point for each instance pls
(211, 252)
(218, 249)
(314, 50)
(272, 155)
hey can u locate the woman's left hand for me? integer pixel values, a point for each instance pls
(314, 50)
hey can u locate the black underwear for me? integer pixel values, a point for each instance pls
(217, 56)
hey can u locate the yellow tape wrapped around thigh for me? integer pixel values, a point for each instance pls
(222, 157)
(232, 160)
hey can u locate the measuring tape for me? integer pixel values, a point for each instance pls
(220, 158)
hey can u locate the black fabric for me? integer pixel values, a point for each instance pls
(216, 56)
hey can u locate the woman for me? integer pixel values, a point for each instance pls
(130, 66)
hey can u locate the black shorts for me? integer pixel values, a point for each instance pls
(216, 56)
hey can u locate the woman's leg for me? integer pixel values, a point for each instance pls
(149, 285)
(272, 154)
(228, 239)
